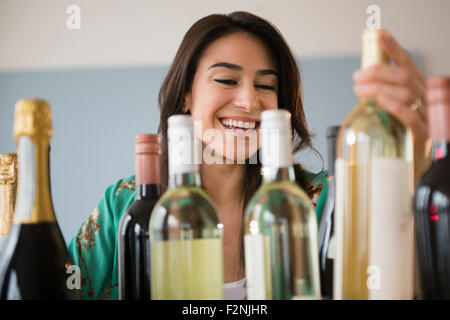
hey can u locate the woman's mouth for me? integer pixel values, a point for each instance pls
(240, 128)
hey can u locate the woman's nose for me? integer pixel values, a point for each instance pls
(246, 98)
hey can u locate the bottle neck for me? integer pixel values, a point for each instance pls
(7, 200)
(278, 174)
(276, 155)
(147, 191)
(34, 201)
(185, 179)
(440, 150)
(148, 169)
(331, 155)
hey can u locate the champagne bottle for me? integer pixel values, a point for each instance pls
(185, 232)
(327, 243)
(8, 189)
(432, 199)
(280, 241)
(133, 237)
(373, 218)
(34, 261)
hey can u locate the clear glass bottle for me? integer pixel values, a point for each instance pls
(185, 231)
(374, 183)
(280, 241)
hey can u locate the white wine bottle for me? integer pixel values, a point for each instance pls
(185, 232)
(8, 189)
(280, 241)
(374, 184)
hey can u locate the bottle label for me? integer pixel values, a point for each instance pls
(391, 230)
(374, 230)
(257, 267)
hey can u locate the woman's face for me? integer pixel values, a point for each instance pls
(236, 79)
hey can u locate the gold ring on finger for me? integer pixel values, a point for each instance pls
(416, 105)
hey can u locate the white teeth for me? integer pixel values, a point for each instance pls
(239, 124)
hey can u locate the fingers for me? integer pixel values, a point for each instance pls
(406, 115)
(396, 53)
(376, 89)
(395, 75)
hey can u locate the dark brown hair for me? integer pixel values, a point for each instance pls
(179, 80)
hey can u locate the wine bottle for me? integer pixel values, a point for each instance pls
(185, 232)
(8, 189)
(280, 241)
(133, 237)
(327, 243)
(373, 216)
(34, 261)
(432, 199)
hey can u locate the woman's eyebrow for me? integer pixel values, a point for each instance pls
(226, 65)
(232, 66)
(265, 72)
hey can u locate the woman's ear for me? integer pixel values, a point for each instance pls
(187, 102)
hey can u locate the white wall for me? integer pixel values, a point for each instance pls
(33, 34)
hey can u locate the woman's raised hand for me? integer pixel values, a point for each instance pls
(400, 89)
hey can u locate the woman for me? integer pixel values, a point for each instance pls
(232, 67)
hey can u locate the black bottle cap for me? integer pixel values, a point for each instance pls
(332, 131)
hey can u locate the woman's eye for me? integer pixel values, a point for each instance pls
(265, 87)
(226, 81)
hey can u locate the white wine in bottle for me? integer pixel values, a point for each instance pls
(185, 232)
(281, 246)
(374, 184)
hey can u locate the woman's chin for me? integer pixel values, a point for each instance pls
(236, 157)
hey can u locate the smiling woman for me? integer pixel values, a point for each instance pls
(228, 69)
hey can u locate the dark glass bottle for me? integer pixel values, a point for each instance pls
(133, 235)
(326, 227)
(432, 199)
(35, 263)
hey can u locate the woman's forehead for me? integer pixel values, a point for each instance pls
(239, 48)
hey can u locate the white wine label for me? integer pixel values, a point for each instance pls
(373, 230)
(255, 267)
(391, 261)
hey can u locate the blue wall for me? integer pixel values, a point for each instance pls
(97, 113)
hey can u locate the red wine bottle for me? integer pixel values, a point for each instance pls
(432, 199)
(35, 261)
(133, 237)
(326, 227)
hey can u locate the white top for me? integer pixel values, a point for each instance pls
(235, 290)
